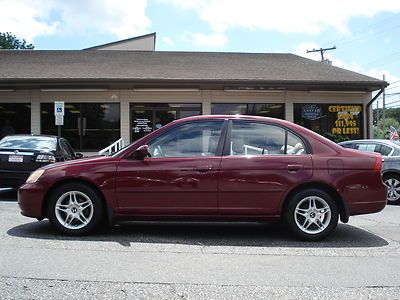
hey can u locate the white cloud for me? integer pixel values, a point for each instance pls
(26, 18)
(167, 40)
(32, 18)
(288, 16)
(213, 40)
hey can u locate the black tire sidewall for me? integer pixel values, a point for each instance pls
(98, 210)
(290, 216)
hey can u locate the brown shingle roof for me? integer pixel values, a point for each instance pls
(135, 67)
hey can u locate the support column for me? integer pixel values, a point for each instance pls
(125, 119)
(35, 116)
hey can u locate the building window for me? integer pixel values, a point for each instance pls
(147, 117)
(338, 122)
(15, 118)
(87, 126)
(256, 109)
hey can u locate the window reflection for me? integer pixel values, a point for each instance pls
(271, 110)
(87, 126)
(189, 140)
(15, 118)
(29, 142)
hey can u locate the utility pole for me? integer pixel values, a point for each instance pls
(322, 51)
(383, 105)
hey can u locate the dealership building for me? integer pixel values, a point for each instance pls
(126, 89)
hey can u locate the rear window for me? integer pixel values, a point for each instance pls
(29, 142)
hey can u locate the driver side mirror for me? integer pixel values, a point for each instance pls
(141, 152)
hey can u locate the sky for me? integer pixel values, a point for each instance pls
(366, 33)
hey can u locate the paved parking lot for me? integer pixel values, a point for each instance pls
(153, 260)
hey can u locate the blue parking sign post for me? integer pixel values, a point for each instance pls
(59, 115)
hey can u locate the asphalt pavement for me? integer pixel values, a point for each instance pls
(160, 260)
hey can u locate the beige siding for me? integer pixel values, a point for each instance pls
(204, 97)
(140, 44)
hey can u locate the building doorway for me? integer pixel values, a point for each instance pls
(147, 117)
(87, 126)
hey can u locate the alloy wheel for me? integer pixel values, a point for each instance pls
(312, 215)
(74, 210)
(393, 185)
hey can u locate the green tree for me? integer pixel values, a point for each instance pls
(9, 41)
(382, 130)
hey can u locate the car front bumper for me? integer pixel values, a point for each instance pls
(30, 200)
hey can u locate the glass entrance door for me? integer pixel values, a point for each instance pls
(87, 126)
(146, 118)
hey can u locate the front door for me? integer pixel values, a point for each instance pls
(180, 177)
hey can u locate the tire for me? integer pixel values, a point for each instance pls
(393, 184)
(75, 209)
(312, 215)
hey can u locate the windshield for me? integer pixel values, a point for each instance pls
(29, 142)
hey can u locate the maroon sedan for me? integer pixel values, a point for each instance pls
(226, 168)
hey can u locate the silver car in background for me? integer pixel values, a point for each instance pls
(390, 151)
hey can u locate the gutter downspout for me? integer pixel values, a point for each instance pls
(367, 110)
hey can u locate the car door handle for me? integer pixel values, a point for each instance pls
(294, 168)
(203, 169)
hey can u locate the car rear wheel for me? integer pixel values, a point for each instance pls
(75, 209)
(312, 215)
(393, 184)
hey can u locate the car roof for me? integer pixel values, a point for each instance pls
(382, 141)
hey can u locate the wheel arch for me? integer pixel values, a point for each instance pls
(343, 209)
(107, 208)
(390, 172)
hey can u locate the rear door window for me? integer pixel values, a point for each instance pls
(256, 138)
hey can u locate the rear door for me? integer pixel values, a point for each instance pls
(262, 162)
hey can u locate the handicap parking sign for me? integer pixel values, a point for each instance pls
(59, 108)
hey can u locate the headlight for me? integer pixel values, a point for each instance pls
(35, 176)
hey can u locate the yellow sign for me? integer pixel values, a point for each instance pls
(347, 119)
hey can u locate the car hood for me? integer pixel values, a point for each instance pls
(80, 162)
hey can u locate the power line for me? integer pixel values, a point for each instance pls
(383, 60)
(381, 22)
(392, 87)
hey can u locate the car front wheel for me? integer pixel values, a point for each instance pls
(75, 209)
(393, 184)
(312, 215)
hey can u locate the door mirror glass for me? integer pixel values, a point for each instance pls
(78, 155)
(141, 152)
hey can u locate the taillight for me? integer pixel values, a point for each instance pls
(378, 163)
(45, 158)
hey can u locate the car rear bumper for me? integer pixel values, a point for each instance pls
(366, 207)
(30, 200)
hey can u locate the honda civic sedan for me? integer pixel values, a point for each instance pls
(212, 168)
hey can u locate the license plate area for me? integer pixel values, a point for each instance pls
(16, 158)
